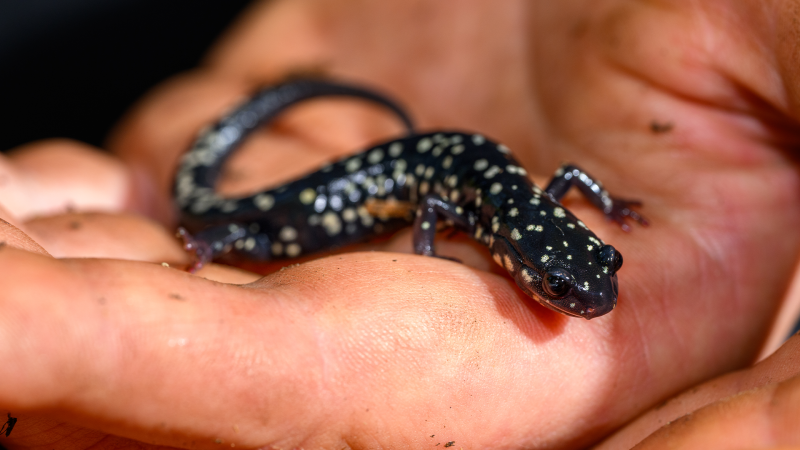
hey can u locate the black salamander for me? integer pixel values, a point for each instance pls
(461, 179)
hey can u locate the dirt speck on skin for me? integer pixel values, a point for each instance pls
(175, 296)
(75, 225)
(2, 244)
(450, 444)
(661, 127)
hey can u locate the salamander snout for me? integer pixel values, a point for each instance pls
(609, 257)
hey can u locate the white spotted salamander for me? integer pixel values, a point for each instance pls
(462, 179)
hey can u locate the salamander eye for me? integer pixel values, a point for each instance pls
(611, 258)
(556, 282)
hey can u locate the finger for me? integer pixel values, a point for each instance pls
(12, 236)
(776, 368)
(762, 418)
(60, 175)
(315, 355)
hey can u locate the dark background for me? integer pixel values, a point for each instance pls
(70, 68)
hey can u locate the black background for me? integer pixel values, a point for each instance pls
(70, 68)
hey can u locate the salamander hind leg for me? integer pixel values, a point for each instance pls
(431, 209)
(614, 208)
(215, 241)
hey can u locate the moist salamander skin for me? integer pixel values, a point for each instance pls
(459, 179)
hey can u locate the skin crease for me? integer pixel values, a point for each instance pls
(379, 350)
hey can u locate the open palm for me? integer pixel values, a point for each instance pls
(684, 106)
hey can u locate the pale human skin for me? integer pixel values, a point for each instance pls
(392, 350)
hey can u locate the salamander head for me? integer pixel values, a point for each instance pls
(560, 263)
(575, 290)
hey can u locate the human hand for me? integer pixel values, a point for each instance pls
(367, 351)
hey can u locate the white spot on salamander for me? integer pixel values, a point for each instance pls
(264, 202)
(559, 212)
(447, 162)
(491, 172)
(496, 257)
(514, 212)
(375, 156)
(515, 234)
(423, 188)
(495, 188)
(526, 276)
(481, 164)
(293, 250)
(332, 224)
(425, 225)
(545, 258)
(366, 219)
(287, 233)
(477, 139)
(509, 265)
(589, 247)
(349, 215)
(424, 145)
(229, 206)
(307, 196)
(352, 164)
(395, 149)
(451, 181)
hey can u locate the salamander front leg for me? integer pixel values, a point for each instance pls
(215, 241)
(432, 208)
(615, 209)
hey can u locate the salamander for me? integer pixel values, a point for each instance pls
(450, 178)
